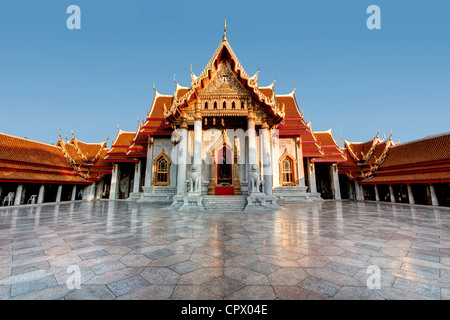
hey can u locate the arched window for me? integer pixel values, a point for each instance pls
(224, 105)
(242, 105)
(161, 175)
(206, 105)
(233, 105)
(287, 170)
(215, 105)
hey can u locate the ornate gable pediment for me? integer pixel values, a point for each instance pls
(224, 82)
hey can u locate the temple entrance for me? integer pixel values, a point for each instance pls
(224, 168)
(224, 172)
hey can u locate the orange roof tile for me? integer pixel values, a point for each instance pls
(435, 148)
(123, 140)
(39, 177)
(119, 148)
(89, 150)
(26, 160)
(290, 105)
(156, 123)
(329, 147)
(137, 150)
(28, 151)
(417, 177)
(268, 92)
(180, 92)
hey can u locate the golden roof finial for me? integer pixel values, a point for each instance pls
(225, 30)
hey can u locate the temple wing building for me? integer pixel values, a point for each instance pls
(416, 172)
(224, 140)
(34, 172)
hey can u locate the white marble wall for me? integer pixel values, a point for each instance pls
(165, 143)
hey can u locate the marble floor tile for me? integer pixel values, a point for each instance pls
(128, 285)
(145, 251)
(253, 293)
(320, 286)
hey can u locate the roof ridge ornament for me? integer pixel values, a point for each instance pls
(272, 85)
(224, 38)
(193, 76)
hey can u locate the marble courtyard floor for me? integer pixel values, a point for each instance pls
(124, 250)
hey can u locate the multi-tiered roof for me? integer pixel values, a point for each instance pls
(279, 111)
(86, 159)
(380, 161)
(24, 160)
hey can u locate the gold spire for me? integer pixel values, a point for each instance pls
(225, 30)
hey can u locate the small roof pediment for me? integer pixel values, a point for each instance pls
(224, 81)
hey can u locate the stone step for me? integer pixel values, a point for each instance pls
(295, 194)
(224, 203)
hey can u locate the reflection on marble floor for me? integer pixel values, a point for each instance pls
(124, 250)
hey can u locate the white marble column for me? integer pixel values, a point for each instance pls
(391, 193)
(137, 177)
(351, 187)
(275, 153)
(251, 131)
(312, 176)
(377, 193)
(99, 191)
(300, 167)
(197, 156)
(74, 193)
(361, 192)
(266, 159)
(181, 158)
(41, 194)
(434, 199)
(148, 180)
(18, 197)
(114, 190)
(91, 192)
(358, 191)
(58, 193)
(335, 181)
(410, 194)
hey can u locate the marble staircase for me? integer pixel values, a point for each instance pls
(224, 203)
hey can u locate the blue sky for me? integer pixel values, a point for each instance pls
(349, 77)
